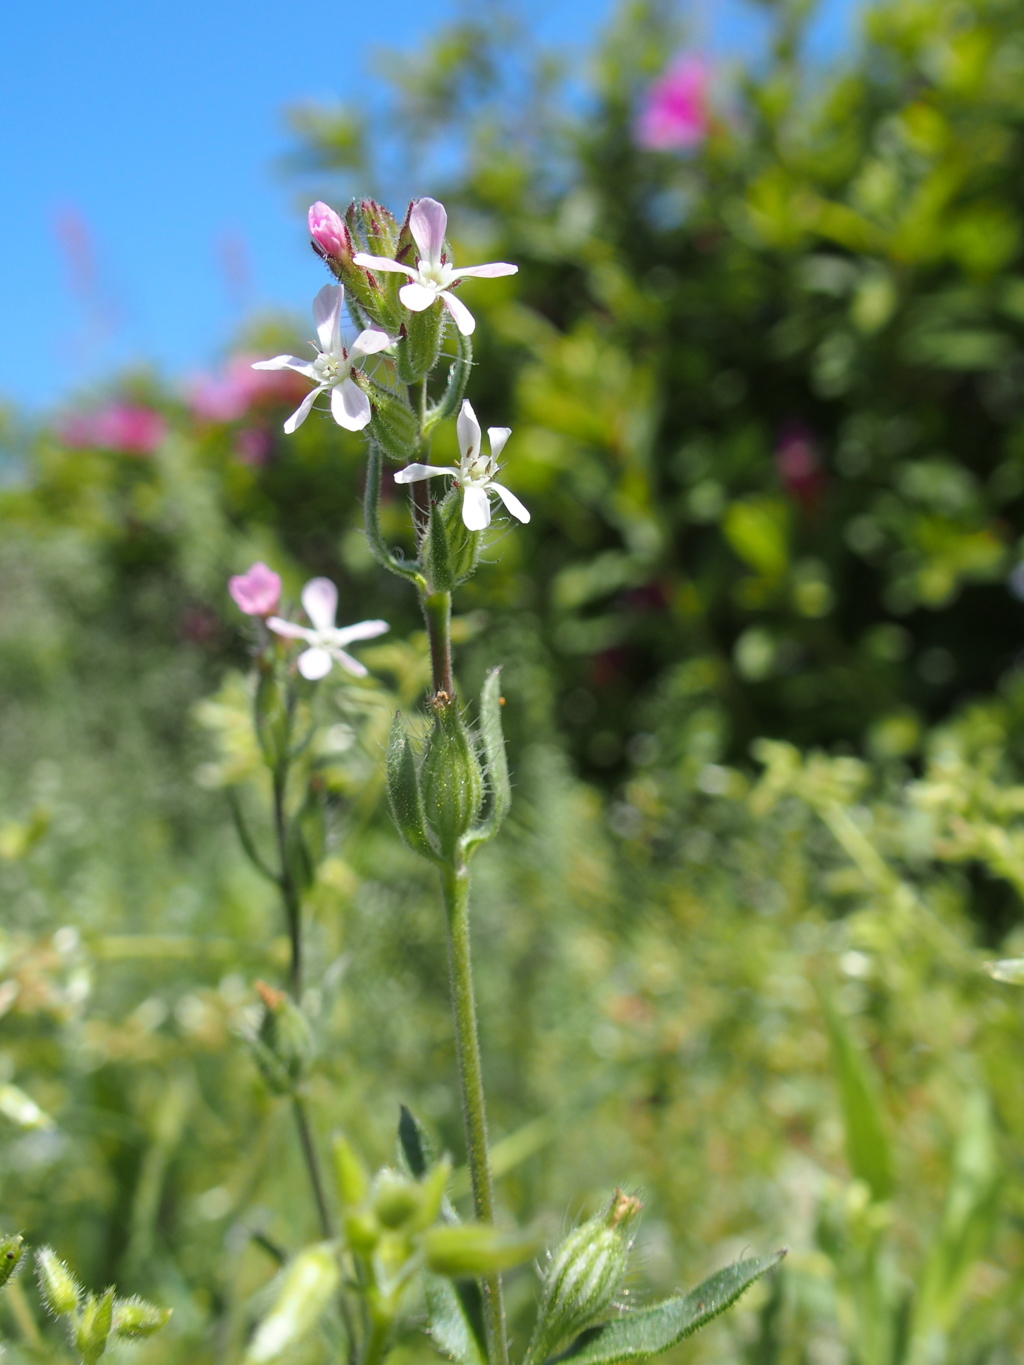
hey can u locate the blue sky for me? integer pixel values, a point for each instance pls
(141, 212)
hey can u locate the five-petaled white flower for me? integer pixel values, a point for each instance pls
(333, 367)
(433, 275)
(475, 473)
(326, 640)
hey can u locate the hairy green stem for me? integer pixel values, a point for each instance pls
(437, 611)
(455, 885)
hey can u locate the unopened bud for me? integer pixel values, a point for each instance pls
(451, 778)
(375, 226)
(283, 1046)
(350, 1173)
(395, 1199)
(135, 1318)
(10, 1256)
(362, 1232)
(583, 1276)
(464, 545)
(93, 1328)
(328, 232)
(421, 347)
(393, 424)
(307, 1287)
(476, 1248)
(58, 1288)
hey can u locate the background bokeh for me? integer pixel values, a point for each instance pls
(765, 700)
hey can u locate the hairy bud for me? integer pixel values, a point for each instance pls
(393, 424)
(330, 235)
(421, 348)
(583, 1276)
(476, 1248)
(283, 1046)
(451, 779)
(135, 1318)
(93, 1328)
(58, 1288)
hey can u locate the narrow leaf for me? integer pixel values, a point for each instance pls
(415, 1146)
(650, 1331)
(867, 1146)
(495, 760)
(449, 1325)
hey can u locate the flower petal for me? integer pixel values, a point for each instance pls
(327, 316)
(486, 272)
(302, 411)
(414, 472)
(468, 430)
(320, 602)
(369, 262)
(368, 343)
(314, 663)
(288, 629)
(417, 297)
(464, 319)
(427, 223)
(511, 501)
(497, 437)
(350, 407)
(476, 507)
(347, 662)
(362, 630)
(285, 362)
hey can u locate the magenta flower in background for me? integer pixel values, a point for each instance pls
(799, 465)
(128, 428)
(674, 112)
(256, 592)
(227, 396)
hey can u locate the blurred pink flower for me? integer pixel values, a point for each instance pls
(799, 465)
(252, 445)
(674, 113)
(128, 428)
(328, 232)
(227, 396)
(256, 592)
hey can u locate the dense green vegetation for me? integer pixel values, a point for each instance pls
(765, 701)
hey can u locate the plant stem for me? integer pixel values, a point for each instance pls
(455, 886)
(312, 1164)
(437, 610)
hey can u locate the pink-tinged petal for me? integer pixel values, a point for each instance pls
(412, 473)
(464, 319)
(417, 297)
(476, 508)
(302, 411)
(468, 431)
(369, 262)
(369, 342)
(314, 663)
(256, 592)
(327, 229)
(511, 501)
(320, 602)
(350, 407)
(428, 222)
(486, 272)
(327, 316)
(362, 630)
(288, 629)
(348, 663)
(285, 362)
(497, 437)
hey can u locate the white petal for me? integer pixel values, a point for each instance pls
(511, 501)
(486, 272)
(476, 507)
(302, 411)
(427, 223)
(285, 362)
(497, 437)
(320, 602)
(350, 407)
(347, 662)
(314, 663)
(417, 297)
(369, 262)
(288, 629)
(468, 429)
(327, 316)
(414, 472)
(464, 319)
(368, 343)
(362, 630)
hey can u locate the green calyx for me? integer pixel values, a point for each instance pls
(451, 778)
(283, 1046)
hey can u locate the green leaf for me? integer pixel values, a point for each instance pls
(495, 760)
(414, 1145)
(867, 1146)
(650, 1331)
(449, 1325)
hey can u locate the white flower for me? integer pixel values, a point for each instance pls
(433, 274)
(333, 367)
(326, 640)
(475, 473)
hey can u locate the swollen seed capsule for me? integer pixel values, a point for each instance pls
(134, 1318)
(58, 1288)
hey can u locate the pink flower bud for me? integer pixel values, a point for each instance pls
(328, 231)
(257, 592)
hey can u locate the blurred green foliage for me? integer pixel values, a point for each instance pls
(760, 646)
